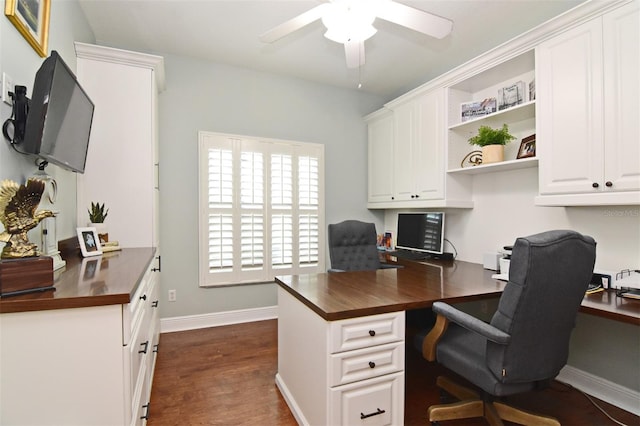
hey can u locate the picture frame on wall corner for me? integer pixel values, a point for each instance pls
(31, 19)
(89, 242)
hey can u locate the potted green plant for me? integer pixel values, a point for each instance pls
(492, 142)
(97, 214)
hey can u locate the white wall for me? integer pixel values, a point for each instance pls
(504, 209)
(221, 98)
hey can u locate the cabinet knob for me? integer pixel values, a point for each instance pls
(372, 333)
(608, 184)
(372, 364)
(143, 297)
(595, 184)
(393, 198)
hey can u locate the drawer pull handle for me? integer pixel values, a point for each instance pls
(146, 346)
(154, 304)
(146, 412)
(159, 268)
(372, 333)
(143, 297)
(372, 364)
(366, 416)
(155, 348)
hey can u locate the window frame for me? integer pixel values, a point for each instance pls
(238, 144)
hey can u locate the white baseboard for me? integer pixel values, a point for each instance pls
(607, 391)
(216, 319)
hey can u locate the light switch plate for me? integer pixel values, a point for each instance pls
(7, 86)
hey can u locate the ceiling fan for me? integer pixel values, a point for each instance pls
(350, 22)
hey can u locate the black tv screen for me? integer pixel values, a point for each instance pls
(60, 116)
(422, 232)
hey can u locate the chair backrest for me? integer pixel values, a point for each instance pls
(352, 246)
(548, 278)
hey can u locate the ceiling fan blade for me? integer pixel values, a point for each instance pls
(294, 24)
(415, 19)
(354, 50)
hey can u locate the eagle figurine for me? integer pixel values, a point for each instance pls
(18, 214)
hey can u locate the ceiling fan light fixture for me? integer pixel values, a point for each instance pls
(349, 21)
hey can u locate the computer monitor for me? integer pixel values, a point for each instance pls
(423, 232)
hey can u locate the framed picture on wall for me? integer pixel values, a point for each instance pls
(527, 147)
(31, 18)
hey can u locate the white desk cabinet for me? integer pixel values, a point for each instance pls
(343, 372)
(122, 161)
(86, 365)
(588, 123)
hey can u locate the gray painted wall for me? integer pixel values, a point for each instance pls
(20, 61)
(222, 98)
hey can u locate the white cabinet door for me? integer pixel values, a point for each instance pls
(621, 29)
(121, 168)
(428, 158)
(381, 158)
(569, 111)
(588, 121)
(419, 148)
(404, 123)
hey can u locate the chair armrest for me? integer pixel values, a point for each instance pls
(390, 266)
(471, 323)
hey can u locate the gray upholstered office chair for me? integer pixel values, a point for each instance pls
(352, 247)
(527, 341)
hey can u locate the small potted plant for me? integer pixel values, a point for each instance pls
(97, 214)
(492, 142)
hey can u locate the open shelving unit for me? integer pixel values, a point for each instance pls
(520, 118)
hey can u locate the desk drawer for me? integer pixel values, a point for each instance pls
(361, 364)
(363, 332)
(378, 401)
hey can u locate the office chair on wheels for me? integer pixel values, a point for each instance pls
(526, 343)
(352, 247)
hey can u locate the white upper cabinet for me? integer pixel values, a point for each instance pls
(380, 127)
(588, 122)
(407, 155)
(418, 148)
(122, 161)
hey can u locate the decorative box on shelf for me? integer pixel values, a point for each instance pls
(26, 275)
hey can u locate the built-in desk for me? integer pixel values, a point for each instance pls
(341, 335)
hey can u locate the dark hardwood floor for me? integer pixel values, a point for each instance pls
(225, 376)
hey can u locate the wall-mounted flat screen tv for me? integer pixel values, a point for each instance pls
(60, 117)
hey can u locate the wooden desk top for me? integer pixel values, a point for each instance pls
(336, 296)
(342, 295)
(109, 279)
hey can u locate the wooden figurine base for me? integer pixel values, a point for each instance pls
(30, 274)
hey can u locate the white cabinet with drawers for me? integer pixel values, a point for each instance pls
(341, 372)
(88, 365)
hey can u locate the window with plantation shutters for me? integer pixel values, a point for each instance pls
(261, 208)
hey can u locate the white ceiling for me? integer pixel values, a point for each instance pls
(397, 59)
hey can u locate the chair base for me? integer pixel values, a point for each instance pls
(472, 405)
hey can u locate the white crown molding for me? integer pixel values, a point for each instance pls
(125, 57)
(516, 46)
